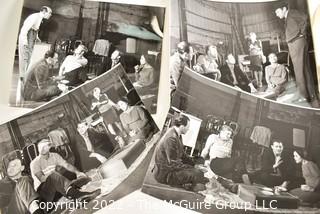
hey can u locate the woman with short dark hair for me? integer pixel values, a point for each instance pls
(310, 191)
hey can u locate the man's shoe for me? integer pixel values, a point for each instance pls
(228, 184)
(315, 103)
(89, 196)
(79, 182)
(198, 187)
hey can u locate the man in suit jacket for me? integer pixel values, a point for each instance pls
(296, 24)
(108, 63)
(172, 164)
(277, 167)
(39, 86)
(177, 63)
(231, 74)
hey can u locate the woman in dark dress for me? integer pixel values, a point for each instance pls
(256, 58)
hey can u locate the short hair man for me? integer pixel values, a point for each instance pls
(172, 164)
(296, 37)
(24, 199)
(208, 64)
(28, 36)
(47, 178)
(277, 167)
(231, 74)
(276, 75)
(72, 66)
(108, 63)
(177, 62)
(38, 85)
(134, 120)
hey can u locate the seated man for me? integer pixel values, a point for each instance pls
(24, 199)
(100, 99)
(72, 67)
(277, 168)
(219, 149)
(134, 120)
(98, 144)
(115, 59)
(276, 75)
(231, 74)
(208, 65)
(39, 86)
(101, 103)
(48, 180)
(172, 164)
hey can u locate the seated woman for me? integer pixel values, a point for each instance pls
(276, 75)
(310, 191)
(72, 67)
(134, 120)
(144, 72)
(98, 144)
(219, 148)
(207, 65)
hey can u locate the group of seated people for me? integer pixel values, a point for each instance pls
(131, 119)
(50, 175)
(40, 84)
(174, 167)
(226, 70)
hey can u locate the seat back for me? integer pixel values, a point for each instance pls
(29, 152)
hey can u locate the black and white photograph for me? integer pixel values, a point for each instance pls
(78, 153)
(260, 47)
(224, 151)
(86, 39)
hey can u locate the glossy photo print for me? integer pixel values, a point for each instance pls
(224, 151)
(79, 153)
(264, 48)
(87, 39)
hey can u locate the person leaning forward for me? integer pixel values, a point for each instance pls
(172, 165)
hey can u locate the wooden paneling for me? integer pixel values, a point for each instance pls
(210, 25)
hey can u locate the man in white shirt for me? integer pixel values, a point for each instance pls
(71, 68)
(47, 178)
(28, 36)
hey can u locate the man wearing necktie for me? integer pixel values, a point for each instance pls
(296, 24)
(172, 165)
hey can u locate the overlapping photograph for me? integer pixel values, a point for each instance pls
(80, 152)
(260, 47)
(87, 38)
(224, 151)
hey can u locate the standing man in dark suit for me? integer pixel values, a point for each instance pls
(172, 165)
(296, 24)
